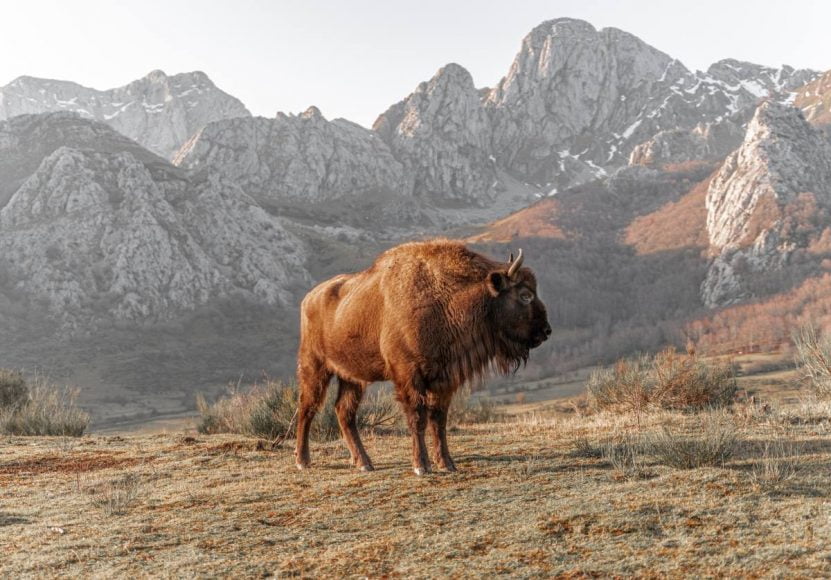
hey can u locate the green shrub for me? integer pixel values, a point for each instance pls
(667, 380)
(267, 410)
(47, 410)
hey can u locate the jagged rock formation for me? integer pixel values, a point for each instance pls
(296, 159)
(591, 96)
(441, 133)
(761, 202)
(121, 235)
(158, 111)
(706, 142)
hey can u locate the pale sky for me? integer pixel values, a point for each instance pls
(354, 58)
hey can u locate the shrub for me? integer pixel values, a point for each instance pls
(779, 463)
(13, 389)
(626, 458)
(47, 410)
(465, 408)
(712, 445)
(813, 357)
(116, 496)
(667, 380)
(267, 410)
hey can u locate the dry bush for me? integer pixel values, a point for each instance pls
(267, 410)
(13, 389)
(813, 356)
(626, 458)
(116, 496)
(465, 408)
(779, 463)
(712, 444)
(47, 410)
(667, 380)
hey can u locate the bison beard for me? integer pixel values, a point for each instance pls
(428, 316)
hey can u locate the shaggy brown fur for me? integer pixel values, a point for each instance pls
(428, 316)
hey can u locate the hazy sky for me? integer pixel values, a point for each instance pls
(354, 58)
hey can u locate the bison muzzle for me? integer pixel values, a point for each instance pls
(428, 316)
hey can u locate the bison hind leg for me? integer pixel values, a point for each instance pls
(346, 407)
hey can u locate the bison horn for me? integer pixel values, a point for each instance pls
(515, 264)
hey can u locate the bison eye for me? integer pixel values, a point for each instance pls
(526, 297)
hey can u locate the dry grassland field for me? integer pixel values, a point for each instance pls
(540, 493)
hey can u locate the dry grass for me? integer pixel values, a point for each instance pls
(523, 504)
(267, 410)
(667, 380)
(44, 409)
(814, 360)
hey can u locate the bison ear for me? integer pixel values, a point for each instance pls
(497, 282)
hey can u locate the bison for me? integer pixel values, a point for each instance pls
(428, 316)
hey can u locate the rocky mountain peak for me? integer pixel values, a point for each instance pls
(159, 111)
(441, 133)
(312, 113)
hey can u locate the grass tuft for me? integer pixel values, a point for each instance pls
(712, 445)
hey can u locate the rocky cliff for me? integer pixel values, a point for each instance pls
(158, 111)
(441, 134)
(119, 235)
(765, 199)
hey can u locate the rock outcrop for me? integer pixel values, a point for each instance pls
(441, 134)
(158, 111)
(303, 159)
(815, 101)
(761, 202)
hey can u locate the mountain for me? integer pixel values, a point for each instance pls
(158, 111)
(441, 133)
(297, 161)
(657, 206)
(96, 236)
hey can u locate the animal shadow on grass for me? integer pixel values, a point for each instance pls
(7, 519)
(544, 462)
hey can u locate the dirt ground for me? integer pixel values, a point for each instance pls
(527, 502)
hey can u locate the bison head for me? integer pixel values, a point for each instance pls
(519, 314)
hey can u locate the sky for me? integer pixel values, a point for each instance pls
(355, 58)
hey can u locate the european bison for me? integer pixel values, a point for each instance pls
(428, 316)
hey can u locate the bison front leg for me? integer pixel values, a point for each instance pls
(349, 399)
(413, 401)
(313, 378)
(438, 412)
